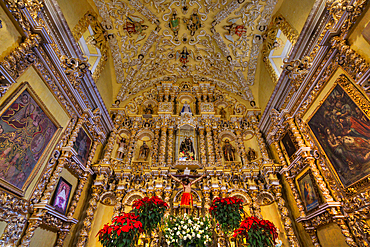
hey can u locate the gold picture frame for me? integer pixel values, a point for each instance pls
(339, 126)
(27, 132)
(288, 145)
(308, 191)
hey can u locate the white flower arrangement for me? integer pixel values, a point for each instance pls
(186, 230)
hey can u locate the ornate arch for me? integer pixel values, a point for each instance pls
(131, 197)
(242, 195)
(145, 133)
(265, 198)
(227, 134)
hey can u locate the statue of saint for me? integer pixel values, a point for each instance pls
(187, 198)
(144, 151)
(149, 109)
(186, 108)
(122, 148)
(251, 154)
(186, 151)
(228, 151)
(223, 113)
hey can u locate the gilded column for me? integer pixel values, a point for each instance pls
(255, 207)
(346, 232)
(109, 147)
(280, 154)
(202, 156)
(170, 147)
(262, 145)
(217, 146)
(64, 158)
(295, 193)
(76, 196)
(117, 208)
(313, 236)
(241, 147)
(162, 146)
(287, 221)
(90, 211)
(131, 147)
(211, 155)
(32, 225)
(62, 234)
(155, 147)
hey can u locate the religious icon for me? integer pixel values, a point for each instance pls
(251, 154)
(186, 108)
(61, 196)
(134, 25)
(234, 28)
(184, 56)
(223, 113)
(122, 148)
(25, 132)
(174, 24)
(149, 109)
(288, 144)
(144, 151)
(228, 151)
(308, 192)
(82, 146)
(186, 151)
(187, 199)
(193, 23)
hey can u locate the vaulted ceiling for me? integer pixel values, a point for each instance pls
(159, 40)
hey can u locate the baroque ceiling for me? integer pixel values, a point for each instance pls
(206, 40)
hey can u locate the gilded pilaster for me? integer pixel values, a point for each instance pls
(211, 155)
(346, 232)
(131, 148)
(162, 147)
(32, 225)
(76, 196)
(217, 146)
(62, 234)
(170, 147)
(280, 154)
(300, 206)
(118, 206)
(109, 147)
(241, 147)
(202, 144)
(313, 236)
(261, 144)
(255, 207)
(155, 146)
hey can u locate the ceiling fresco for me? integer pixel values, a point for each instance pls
(159, 40)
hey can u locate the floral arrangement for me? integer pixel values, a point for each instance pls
(261, 233)
(122, 232)
(150, 212)
(228, 212)
(186, 230)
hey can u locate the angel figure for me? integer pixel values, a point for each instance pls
(184, 56)
(134, 25)
(234, 28)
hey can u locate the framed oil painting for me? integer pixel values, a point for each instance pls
(308, 191)
(82, 146)
(288, 145)
(26, 129)
(61, 196)
(343, 132)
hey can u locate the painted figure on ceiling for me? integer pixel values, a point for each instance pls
(184, 56)
(134, 25)
(234, 28)
(174, 24)
(193, 23)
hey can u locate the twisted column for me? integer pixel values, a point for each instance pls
(202, 156)
(295, 194)
(217, 146)
(211, 155)
(62, 234)
(117, 208)
(109, 147)
(241, 147)
(131, 148)
(32, 225)
(287, 221)
(76, 196)
(162, 147)
(155, 146)
(280, 154)
(170, 147)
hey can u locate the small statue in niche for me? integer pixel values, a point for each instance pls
(223, 113)
(122, 148)
(149, 109)
(228, 151)
(251, 154)
(186, 108)
(193, 23)
(186, 151)
(144, 151)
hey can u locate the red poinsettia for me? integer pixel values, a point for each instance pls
(228, 212)
(150, 211)
(257, 232)
(121, 232)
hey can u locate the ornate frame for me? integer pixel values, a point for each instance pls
(282, 146)
(363, 103)
(4, 106)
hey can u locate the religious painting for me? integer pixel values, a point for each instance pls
(186, 151)
(61, 196)
(25, 132)
(82, 146)
(343, 132)
(308, 191)
(289, 146)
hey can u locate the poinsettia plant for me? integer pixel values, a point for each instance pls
(228, 212)
(150, 212)
(256, 232)
(122, 232)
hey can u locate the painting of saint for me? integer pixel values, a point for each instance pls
(186, 151)
(343, 132)
(82, 146)
(288, 145)
(25, 132)
(308, 193)
(61, 196)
